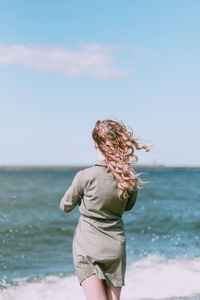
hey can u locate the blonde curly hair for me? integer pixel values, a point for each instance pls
(117, 144)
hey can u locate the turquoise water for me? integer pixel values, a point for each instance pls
(162, 230)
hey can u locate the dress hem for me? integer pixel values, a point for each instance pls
(108, 282)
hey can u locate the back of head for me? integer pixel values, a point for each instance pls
(118, 146)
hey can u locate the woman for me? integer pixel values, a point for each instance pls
(103, 192)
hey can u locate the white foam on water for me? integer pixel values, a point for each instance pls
(153, 277)
(48, 288)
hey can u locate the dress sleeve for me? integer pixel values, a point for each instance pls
(131, 199)
(72, 195)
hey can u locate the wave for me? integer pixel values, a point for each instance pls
(152, 277)
(156, 277)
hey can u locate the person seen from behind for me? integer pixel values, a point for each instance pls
(103, 193)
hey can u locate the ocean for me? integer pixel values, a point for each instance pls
(162, 232)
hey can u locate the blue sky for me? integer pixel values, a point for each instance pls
(66, 64)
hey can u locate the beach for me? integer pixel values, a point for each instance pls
(162, 232)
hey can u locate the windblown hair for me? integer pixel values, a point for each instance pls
(117, 144)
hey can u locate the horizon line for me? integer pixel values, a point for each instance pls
(77, 167)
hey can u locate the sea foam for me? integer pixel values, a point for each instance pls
(152, 277)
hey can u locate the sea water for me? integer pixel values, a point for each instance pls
(162, 231)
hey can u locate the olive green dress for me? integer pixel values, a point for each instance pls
(99, 244)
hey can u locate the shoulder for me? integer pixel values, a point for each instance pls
(86, 173)
(90, 174)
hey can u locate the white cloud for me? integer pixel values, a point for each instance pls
(91, 60)
(143, 52)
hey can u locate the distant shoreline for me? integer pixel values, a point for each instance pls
(74, 168)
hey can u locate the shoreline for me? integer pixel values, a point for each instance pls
(76, 167)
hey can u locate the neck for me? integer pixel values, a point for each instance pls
(100, 155)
